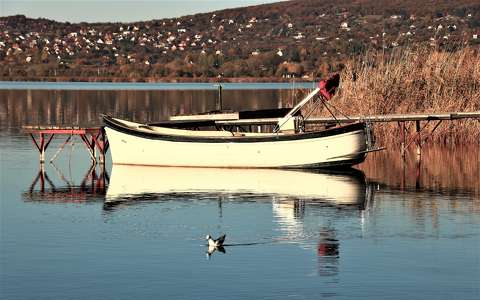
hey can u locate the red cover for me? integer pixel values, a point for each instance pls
(329, 86)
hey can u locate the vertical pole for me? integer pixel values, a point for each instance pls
(42, 148)
(102, 148)
(402, 150)
(92, 146)
(219, 104)
(417, 173)
(102, 179)
(418, 139)
(93, 178)
(42, 178)
(402, 138)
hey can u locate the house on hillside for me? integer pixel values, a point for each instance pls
(290, 70)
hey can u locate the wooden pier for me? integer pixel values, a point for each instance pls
(93, 138)
(406, 138)
(367, 118)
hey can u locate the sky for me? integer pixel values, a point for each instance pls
(114, 10)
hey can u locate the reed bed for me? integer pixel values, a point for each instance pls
(418, 80)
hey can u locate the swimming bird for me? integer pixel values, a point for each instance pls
(215, 243)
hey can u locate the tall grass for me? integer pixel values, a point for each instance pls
(414, 81)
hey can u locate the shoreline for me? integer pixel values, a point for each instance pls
(159, 79)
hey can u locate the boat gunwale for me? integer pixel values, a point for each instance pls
(338, 164)
(121, 127)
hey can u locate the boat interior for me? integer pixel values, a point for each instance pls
(187, 132)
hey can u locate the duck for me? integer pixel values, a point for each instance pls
(215, 243)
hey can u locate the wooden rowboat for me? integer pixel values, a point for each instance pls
(288, 146)
(139, 144)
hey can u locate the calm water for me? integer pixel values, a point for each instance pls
(394, 230)
(141, 86)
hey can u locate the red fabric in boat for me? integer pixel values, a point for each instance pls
(329, 86)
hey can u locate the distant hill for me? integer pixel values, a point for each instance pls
(300, 38)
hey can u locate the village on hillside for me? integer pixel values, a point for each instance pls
(274, 42)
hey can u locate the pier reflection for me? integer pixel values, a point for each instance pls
(91, 188)
(449, 171)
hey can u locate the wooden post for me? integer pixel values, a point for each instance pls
(219, 104)
(102, 149)
(92, 146)
(42, 177)
(417, 174)
(42, 148)
(100, 185)
(418, 138)
(402, 138)
(100, 140)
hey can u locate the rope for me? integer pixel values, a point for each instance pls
(317, 103)
(331, 112)
(338, 110)
(60, 149)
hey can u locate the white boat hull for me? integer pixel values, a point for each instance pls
(133, 148)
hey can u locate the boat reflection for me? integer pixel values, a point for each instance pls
(328, 252)
(130, 184)
(300, 199)
(91, 188)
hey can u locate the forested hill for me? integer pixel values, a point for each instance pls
(301, 38)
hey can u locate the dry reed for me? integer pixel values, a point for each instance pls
(414, 81)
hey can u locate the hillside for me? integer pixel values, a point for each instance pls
(301, 38)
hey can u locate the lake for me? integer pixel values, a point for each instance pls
(390, 228)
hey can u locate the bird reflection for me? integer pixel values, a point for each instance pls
(215, 245)
(212, 249)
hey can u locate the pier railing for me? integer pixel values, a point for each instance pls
(406, 139)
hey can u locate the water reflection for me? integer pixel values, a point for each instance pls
(289, 230)
(131, 183)
(83, 108)
(92, 187)
(440, 170)
(328, 252)
(212, 249)
(300, 199)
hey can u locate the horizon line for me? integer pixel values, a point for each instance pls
(146, 9)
